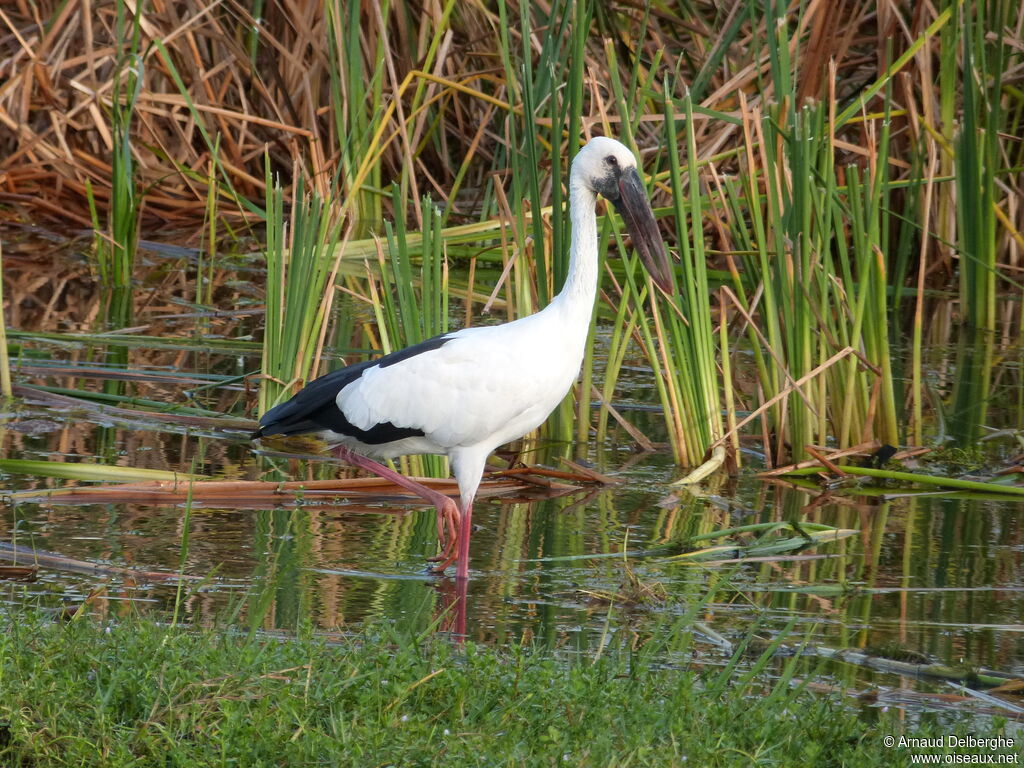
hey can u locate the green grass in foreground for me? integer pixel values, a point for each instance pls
(139, 693)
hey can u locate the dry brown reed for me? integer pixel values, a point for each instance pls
(207, 73)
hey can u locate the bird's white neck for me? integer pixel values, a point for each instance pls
(578, 293)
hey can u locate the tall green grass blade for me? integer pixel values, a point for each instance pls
(417, 307)
(116, 260)
(677, 333)
(357, 104)
(302, 259)
(977, 157)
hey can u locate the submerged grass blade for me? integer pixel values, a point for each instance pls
(90, 472)
(913, 477)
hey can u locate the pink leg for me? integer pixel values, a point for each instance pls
(462, 570)
(447, 510)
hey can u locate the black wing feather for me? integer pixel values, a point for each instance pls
(314, 408)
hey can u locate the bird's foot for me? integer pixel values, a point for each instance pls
(447, 535)
(442, 561)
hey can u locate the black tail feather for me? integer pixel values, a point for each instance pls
(314, 408)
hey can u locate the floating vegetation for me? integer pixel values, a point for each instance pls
(970, 675)
(769, 543)
(176, 488)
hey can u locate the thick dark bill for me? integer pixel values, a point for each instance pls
(636, 212)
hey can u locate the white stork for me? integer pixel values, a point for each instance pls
(464, 393)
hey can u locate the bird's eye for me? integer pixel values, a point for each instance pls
(612, 161)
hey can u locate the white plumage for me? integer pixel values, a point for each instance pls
(467, 392)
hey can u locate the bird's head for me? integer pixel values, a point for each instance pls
(606, 166)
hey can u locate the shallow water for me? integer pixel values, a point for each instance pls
(938, 575)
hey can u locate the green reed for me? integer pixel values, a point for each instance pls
(115, 256)
(548, 87)
(413, 302)
(977, 157)
(677, 331)
(813, 306)
(357, 94)
(302, 261)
